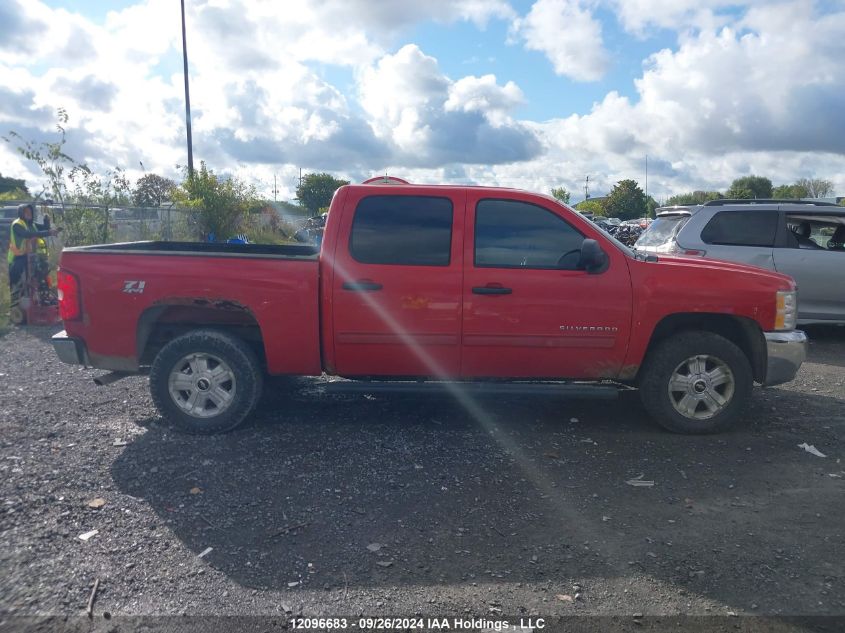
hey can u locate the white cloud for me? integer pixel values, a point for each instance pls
(389, 15)
(568, 34)
(774, 83)
(399, 93)
(343, 32)
(763, 96)
(747, 89)
(638, 15)
(483, 94)
(432, 120)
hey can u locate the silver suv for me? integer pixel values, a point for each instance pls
(803, 239)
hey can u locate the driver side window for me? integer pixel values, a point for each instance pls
(514, 234)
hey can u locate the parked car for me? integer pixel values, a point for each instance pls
(414, 286)
(803, 239)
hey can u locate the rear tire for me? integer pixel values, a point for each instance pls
(205, 382)
(696, 383)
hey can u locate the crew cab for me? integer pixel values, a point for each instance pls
(424, 285)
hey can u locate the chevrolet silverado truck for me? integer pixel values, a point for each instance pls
(415, 287)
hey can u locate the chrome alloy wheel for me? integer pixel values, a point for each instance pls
(202, 385)
(701, 387)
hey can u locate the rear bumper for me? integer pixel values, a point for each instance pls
(70, 350)
(786, 352)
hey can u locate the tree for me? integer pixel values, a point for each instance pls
(591, 206)
(749, 187)
(151, 190)
(316, 191)
(626, 201)
(561, 194)
(651, 206)
(14, 194)
(219, 205)
(816, 187)
(55, 164)
(790, 192)
(13, 185)
(82, 225)
(693, 197)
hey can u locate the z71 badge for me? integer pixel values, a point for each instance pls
(134, 287)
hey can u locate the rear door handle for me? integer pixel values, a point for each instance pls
(491, 290)
(362, 286)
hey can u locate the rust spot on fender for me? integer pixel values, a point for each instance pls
(203, 302)
(628, 372)
(603, 370)
(226, 304)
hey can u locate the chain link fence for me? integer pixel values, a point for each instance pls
(85, 224)
(96, 224)
(93, 224)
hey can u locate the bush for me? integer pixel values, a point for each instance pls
(217, 206)
(82, 226)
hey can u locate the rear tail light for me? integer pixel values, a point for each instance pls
(70, 307)
(673, 248)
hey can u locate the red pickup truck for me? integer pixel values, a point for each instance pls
(424, 286)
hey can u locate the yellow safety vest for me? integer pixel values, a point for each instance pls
(15, 249)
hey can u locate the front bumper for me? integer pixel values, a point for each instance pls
(70, 350)
(786, 352)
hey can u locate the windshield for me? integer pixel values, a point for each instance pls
(663, 230)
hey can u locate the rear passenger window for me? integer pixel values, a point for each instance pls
(402, 230)
(741, 228)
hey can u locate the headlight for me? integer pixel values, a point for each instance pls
(787, 310)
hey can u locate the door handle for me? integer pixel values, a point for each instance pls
(361, 286)
(491, 290)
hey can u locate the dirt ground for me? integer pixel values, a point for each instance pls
(375, 505)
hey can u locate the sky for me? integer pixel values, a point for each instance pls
(534, 94)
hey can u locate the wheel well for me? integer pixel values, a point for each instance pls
(742, 331)
(162, 323)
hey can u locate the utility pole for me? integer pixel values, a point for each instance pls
(587, 188)
(275, 189)
(187, 97)
(646, 176)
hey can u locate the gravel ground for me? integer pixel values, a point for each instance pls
(401, 505)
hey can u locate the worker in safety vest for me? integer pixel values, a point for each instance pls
(23, 236)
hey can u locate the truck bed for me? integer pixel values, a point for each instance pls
(136, 296)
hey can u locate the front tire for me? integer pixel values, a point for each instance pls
(696, 382)
(205, 382)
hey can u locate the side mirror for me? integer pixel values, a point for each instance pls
(593, 259)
